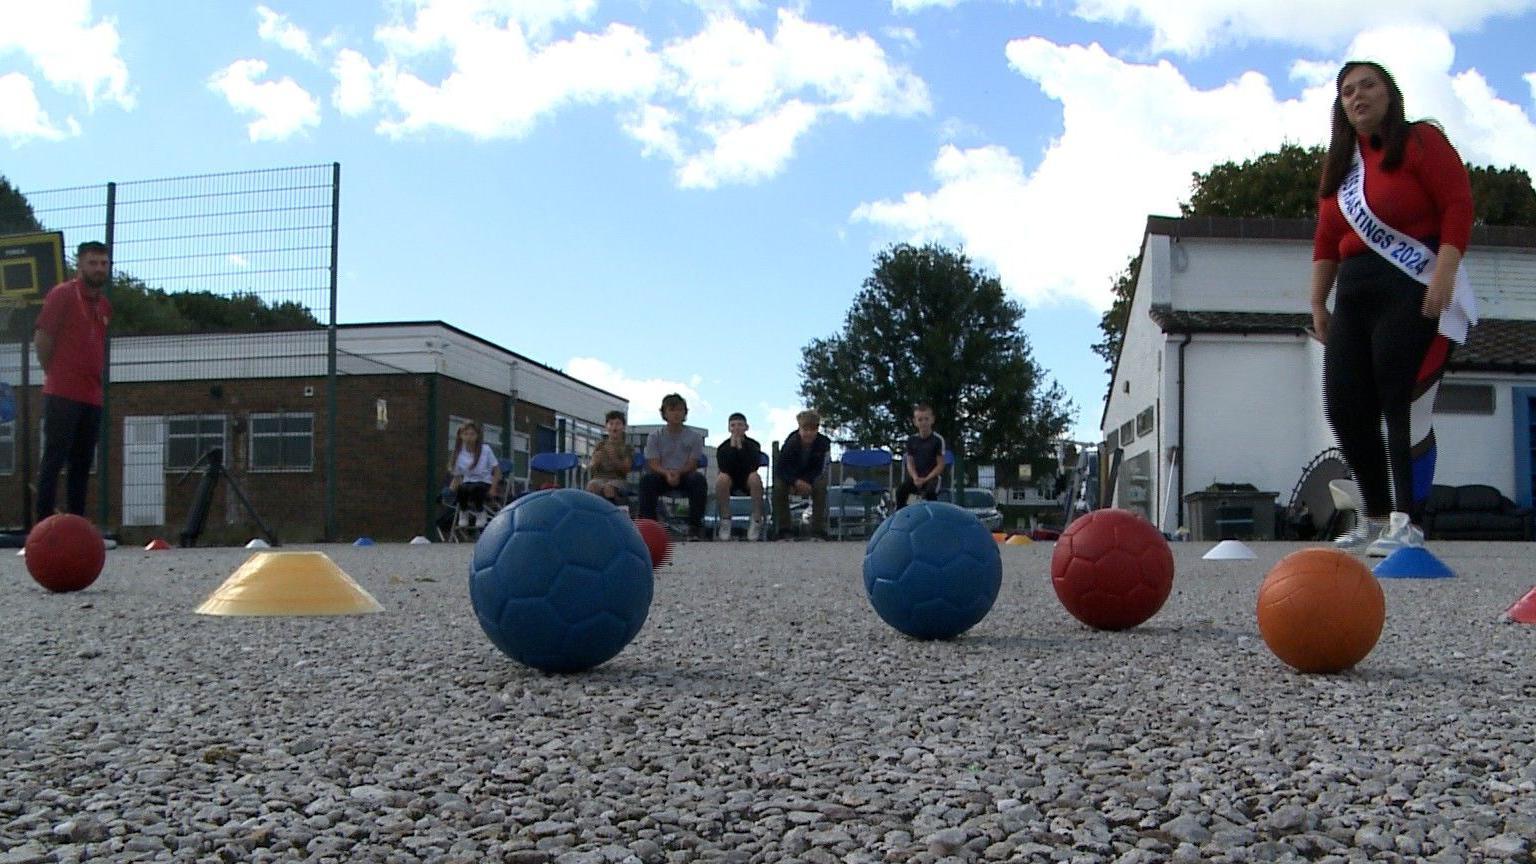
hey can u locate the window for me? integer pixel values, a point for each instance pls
(282, 442)
(520, 458)
(1464, 399)
(8, 447)
(1144, 422)
(1127, 433)
(581, 439)
(454, 422)
(493, 438)
(188, 437)
(1111, 441)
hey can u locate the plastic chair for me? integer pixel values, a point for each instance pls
(559, 464)
(870, 491)
(494, 501)
(1345, 511)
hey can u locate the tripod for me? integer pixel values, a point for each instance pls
(214, 459)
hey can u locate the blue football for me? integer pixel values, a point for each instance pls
(932, 570)
(560, 580)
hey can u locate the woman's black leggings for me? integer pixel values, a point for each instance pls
(1383, 363)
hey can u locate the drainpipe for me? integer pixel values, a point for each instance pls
(1183, 454)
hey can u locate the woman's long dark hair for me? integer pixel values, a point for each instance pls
(1341, 146)
(458, 444)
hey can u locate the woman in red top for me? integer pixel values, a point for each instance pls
(1383, 356)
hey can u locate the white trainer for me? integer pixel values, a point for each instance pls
(723, 530)
(1400, 533)
(1357, 538)
(755, 530)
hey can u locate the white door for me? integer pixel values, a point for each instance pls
(143, 470)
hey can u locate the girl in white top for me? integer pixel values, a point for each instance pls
(474, 469)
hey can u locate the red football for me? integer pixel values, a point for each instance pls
(656, 540)
(65, 553)
(1112, 569)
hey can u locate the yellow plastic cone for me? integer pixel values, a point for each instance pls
(289, 583)
(1018, 540)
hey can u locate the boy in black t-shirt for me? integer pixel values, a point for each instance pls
(738, 459)
(924, 459)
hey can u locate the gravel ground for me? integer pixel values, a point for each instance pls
(763, 714)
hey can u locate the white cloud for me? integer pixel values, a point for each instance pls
(74, 53)
(501, 83)
(747, 152)
(282, 107)
(1194, 26)
(906, 36)
(445, 24)
(655, 127)
(644, 394)
(750, 97)
(22, 117)
(727, 7)
(1132, 136)
(725, 105)
(355, 83)
(281, 31)
(910, 6)
(779, 422)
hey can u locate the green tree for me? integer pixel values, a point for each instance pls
(16, 216)
(1112, 322)
(139, 310)
(1278, 185)
(928, 326)
(1502, 196)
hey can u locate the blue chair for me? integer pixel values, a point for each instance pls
(871, 472)
(558, 464)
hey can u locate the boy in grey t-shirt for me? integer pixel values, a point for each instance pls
(672, 462)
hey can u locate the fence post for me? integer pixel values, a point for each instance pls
(330, 365)
(104, 442)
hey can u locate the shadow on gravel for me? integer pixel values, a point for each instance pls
(706, 680)
(1011, 643)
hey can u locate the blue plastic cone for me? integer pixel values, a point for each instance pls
(363, 541)
(1412, 562)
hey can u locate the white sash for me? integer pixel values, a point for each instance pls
(1404, 252)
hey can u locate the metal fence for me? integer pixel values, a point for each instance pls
(207, 270)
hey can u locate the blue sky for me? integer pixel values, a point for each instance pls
(659, 195)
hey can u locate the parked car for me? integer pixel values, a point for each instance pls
(980, 502)
(849, 514)
(741, 517)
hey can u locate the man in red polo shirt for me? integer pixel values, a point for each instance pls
(71, 339)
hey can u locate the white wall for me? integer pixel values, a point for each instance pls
(1254, 412)
(1218, 274)
(1221, 274)
(1480, 449)
(1504, 280)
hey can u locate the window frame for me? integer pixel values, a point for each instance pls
(252, 435)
